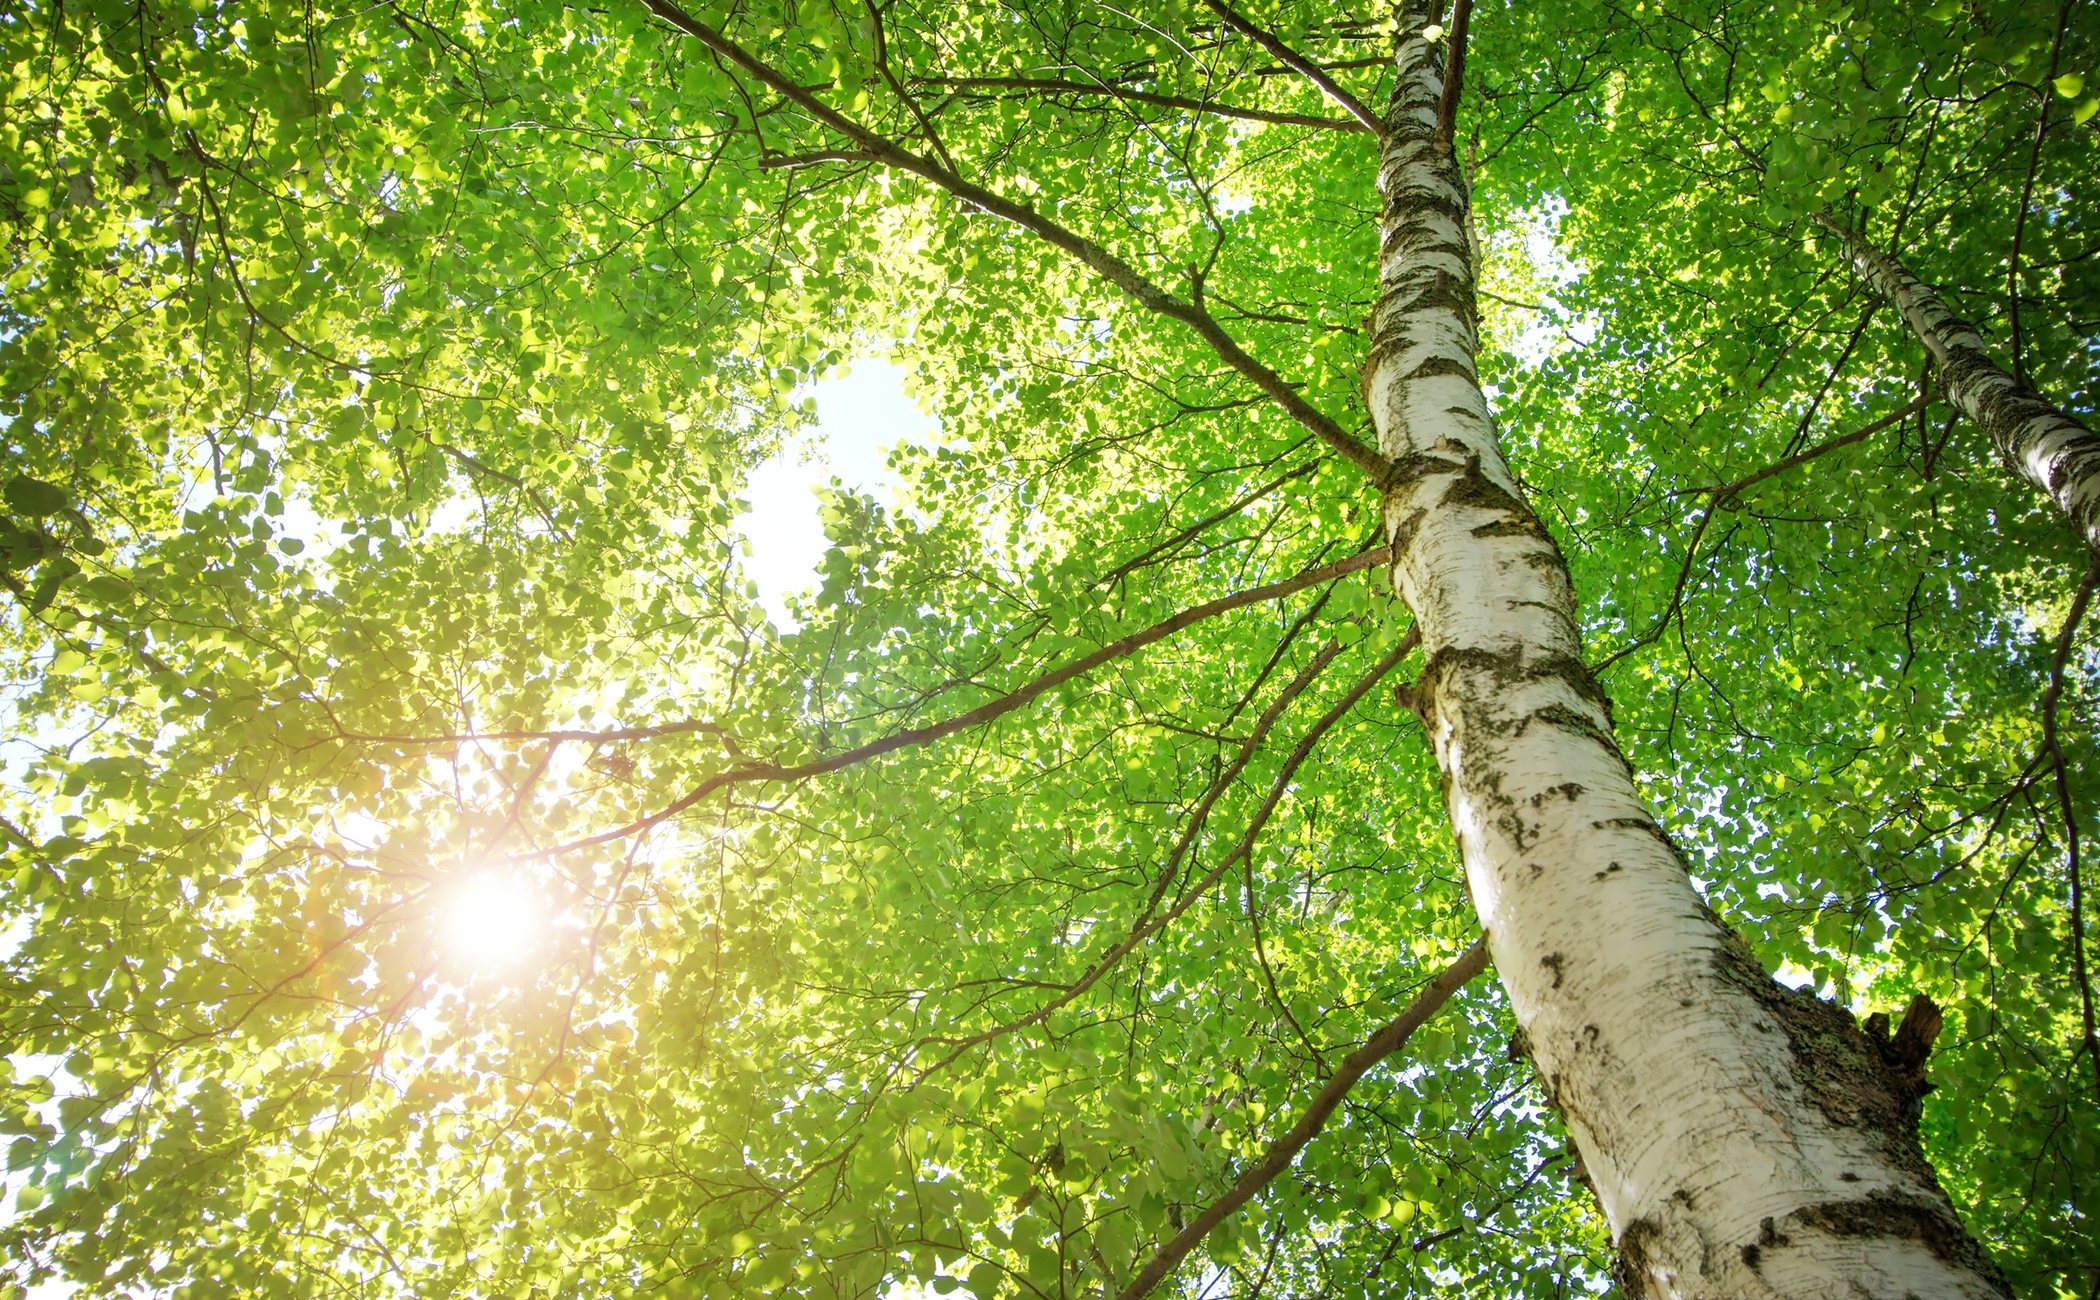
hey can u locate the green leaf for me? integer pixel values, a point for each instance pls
(34, 497)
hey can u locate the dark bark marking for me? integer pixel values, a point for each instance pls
(1443, 366)
(1644, 825)
(1520, 835)
(1768, 1235)
(1410, 697)
(1409, 201)
(1404, 533)
(1846, 1074)
(1634, 1267)
(1609, 870)
(1423, 292)
(1409, 470)
(1554, 962)
(1566, 719)
(1889, 1214)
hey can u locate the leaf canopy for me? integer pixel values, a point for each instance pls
(381, 385)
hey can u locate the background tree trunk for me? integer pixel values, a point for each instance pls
(2050, 450)
(1744, 1139)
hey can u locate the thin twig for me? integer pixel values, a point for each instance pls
(1150, 920)
(1285, 1149)
(1301, 65)
(1117, 272)
(1722, 493)
(1057, 86)
(1130, 566)
(2034, 162)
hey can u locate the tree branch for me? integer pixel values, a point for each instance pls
(1127, 567)
(2052, 743)
(1104, 263)
(1150, 923)
(2012, 263)
(1285, 1149)
(1726, 491)
(815, 157)
(1056, 86)
(1304, 67)
(882, 65)
(983, 713)
(1454, 76)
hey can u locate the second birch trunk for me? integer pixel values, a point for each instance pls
(2056, 454)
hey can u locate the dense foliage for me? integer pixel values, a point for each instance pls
(380, 383)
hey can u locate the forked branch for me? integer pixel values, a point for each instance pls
(1151, 920)
(756, 772)
(1117, 272)
(1301, 65)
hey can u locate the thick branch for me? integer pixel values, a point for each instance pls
(1285, 1149)
(1454, 76)
(814, 158)
(1303, 66)
(983, 713)
(1100, 260)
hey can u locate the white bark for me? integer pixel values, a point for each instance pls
(2054, 453)
(1744, 1139)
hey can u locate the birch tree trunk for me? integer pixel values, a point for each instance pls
(2055, 453)
(1744, 1139)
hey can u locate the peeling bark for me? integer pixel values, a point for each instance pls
(1745, 1139)
(2051, 451)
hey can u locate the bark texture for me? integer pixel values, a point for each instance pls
(1745, 1140)
(2055, 453)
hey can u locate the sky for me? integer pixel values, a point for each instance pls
(861, 414)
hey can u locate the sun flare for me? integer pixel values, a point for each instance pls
(491, 920)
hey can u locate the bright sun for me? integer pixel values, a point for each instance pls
(489, 919)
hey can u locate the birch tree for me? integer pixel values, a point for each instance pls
(430, 869)
(2050, 450)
